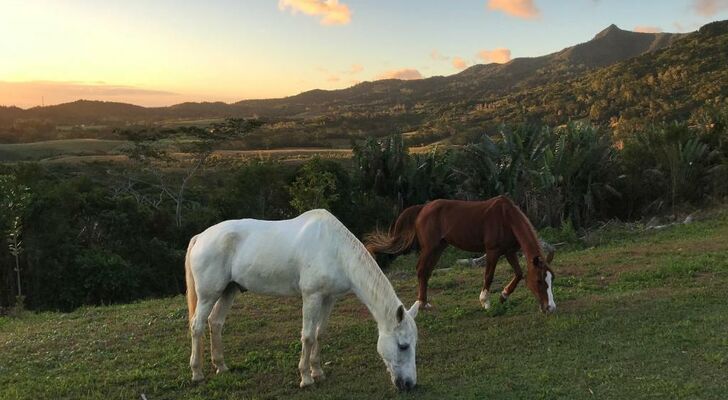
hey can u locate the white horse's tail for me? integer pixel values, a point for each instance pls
(190, 281)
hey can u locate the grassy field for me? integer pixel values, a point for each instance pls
(51, 149)
(644, 315)
(97, 150)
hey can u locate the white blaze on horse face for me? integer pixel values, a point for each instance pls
(397, 349)
(552, 304)
(484, 299)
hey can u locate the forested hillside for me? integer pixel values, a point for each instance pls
(555, 87)
(665, 85)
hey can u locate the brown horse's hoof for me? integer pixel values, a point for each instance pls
(426, 306)
(503, 297)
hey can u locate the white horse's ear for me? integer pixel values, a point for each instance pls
(400, 313)
(414, 309)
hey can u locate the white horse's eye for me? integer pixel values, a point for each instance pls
(403, 347)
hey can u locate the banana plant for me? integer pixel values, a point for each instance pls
(583, 165)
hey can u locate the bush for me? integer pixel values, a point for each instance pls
(104, 278)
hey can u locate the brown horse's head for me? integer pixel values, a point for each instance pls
(540, 280)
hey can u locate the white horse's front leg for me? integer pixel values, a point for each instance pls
(311, 317)
(317, 373)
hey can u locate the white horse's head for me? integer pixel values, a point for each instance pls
(397, 348)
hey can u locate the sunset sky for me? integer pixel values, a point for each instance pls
(164, 52)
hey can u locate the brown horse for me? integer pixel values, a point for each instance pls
(495, 226)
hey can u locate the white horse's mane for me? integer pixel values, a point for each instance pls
(365, 273)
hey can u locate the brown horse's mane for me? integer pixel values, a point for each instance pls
(522, 229)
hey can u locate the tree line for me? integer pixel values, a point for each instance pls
(115, 232)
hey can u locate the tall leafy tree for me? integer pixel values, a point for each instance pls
(153, 151)
(314, 187)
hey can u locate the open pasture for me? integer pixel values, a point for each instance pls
(76, 151)
(643, 316)
(53, 149)
(94, 150)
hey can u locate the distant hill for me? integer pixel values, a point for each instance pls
(608, 47)
(659, 86)
(616, 74)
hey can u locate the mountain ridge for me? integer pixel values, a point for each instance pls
(517, 66)
(471, 100)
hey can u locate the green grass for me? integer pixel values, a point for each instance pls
(644, 315)
(38, 151)
(90, 150)
(203, 122)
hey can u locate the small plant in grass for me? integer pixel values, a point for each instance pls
(500, 308)
(18, 308)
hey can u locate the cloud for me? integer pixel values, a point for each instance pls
(355, 69)
(33, 93)
(459, 63)
(331, 11)
(435, 55)
(404, 74)
(516, 8)
(708, 8)
(500, 55)
(647, 29)
(678, 26)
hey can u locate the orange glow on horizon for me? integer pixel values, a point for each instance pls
(104, 57)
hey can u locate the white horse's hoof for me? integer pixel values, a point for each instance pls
(307, 381)
(318, 375)
(198, 377)
(222, 368)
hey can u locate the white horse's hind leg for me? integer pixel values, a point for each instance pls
(216, 320)
(197, 330)
(317, 372)
(311, 318)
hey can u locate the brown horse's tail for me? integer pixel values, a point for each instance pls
(401, 238)
(190, 280)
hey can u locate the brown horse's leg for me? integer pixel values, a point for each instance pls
(491, 259)
(425, 265)
(517, 276)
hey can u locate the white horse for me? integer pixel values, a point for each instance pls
(313, 256)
